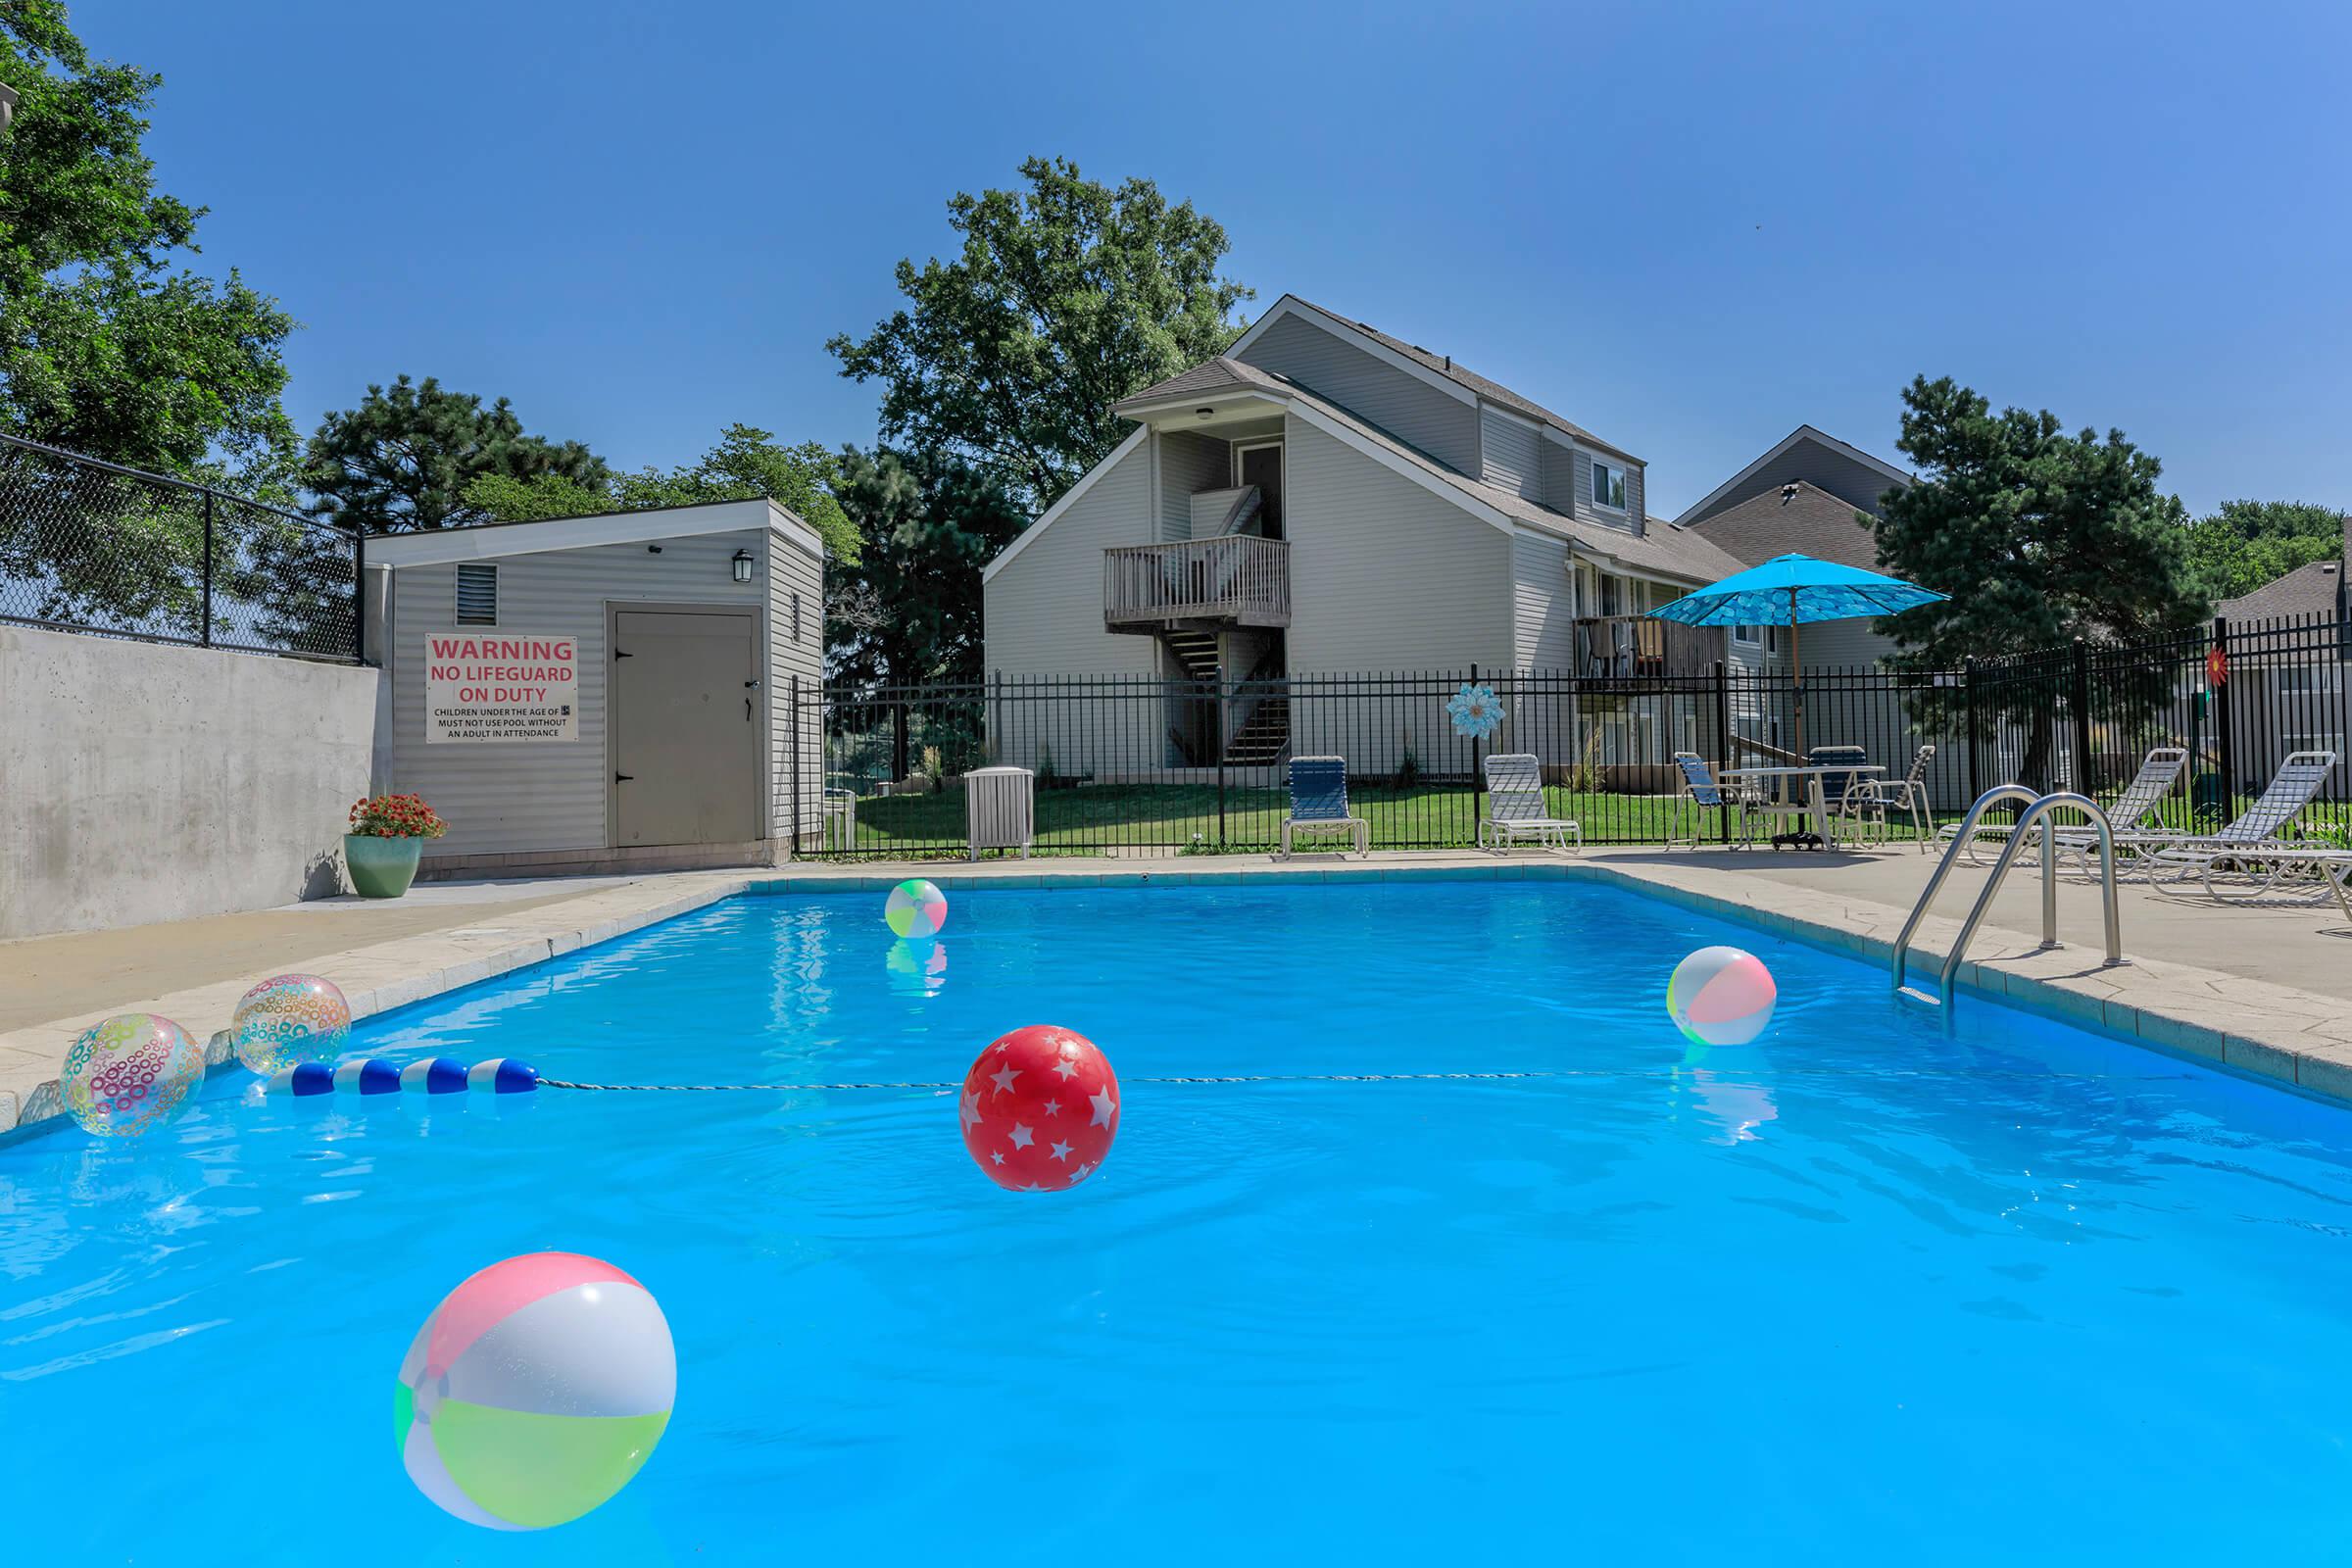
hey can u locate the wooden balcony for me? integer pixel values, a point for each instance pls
(1629, 647)
(1234, 580)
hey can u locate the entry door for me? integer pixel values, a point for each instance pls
(1261, 466)
(684, 706)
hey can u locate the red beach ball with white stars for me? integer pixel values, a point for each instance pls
(1040, 1109)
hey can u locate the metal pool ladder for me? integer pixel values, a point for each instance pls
(2036, 808)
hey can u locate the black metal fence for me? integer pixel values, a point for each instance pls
(94, 547)
(1141, 764)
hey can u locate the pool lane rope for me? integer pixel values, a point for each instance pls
(505, 1075)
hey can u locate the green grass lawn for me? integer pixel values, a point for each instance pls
(1184, 818)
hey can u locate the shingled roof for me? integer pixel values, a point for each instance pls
(1800, 519)
(2312, 589)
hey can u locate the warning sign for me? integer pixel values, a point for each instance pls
(511, 686)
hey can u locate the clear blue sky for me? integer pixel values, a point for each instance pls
(1687, 227)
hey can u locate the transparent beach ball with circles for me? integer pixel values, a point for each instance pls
(129, 1073)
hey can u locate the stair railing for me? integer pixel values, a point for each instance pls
(2036, 808)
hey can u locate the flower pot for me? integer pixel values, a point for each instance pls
(380, 869)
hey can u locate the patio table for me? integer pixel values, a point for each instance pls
(1812, 774)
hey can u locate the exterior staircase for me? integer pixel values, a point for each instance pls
(1196, 653)
(1263, 738)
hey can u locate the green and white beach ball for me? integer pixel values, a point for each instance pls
(534, 1392)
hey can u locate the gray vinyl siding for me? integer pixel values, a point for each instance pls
(1842, 645)
(1044, 610)
(1568, 487)
(791, 571)
(1813, 464)
(525, 798)
(1384, 575)
(1043, 616)
(1407, 408)
(1543, 604)
(1189, 463)
(1512, 452)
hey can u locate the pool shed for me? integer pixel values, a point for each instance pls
(603, 693)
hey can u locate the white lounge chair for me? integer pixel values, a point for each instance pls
(1516, 808)
(2254, 830)
(2249, 875)
(1319, 803)
(2159, 772)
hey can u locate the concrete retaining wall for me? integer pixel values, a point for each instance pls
(142, 783)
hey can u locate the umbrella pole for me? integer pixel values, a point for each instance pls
(1797, 668)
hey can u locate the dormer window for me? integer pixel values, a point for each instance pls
(1608, 486)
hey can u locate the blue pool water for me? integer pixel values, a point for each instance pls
(1857, 1293)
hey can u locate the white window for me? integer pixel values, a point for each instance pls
(1749, 636)
(477, 594)
(1609, 485)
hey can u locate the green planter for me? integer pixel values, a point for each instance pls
(380, 869)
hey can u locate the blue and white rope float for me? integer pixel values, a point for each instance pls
(379, 1075)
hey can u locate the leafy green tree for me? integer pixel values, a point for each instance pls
(105, 347)
(906, 612)
(2036, 536)
(1067, 297)
(747, 461)
(2247, 544)
(110, 346)
(400, 461)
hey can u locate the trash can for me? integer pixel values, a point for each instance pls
(1000, 809)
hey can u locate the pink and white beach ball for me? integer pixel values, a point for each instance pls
(1722, 997)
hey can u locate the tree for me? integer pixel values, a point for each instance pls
(1065, 298)
(2247, 544)
(403, 460)
(747, 462)
(2036, 536)
(926, 523)
(104, 347)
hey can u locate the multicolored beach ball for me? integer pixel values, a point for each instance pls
(1722, 997)
(1039, 1110)
(534, 1392)
(916, 908)
(128, 1073)
(287, 1020)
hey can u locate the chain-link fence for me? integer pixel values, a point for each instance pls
(94, 547)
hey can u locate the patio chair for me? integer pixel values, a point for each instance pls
(2250, 874)
(1740, 804)
(1319, 803)
(1516, 808)
(1872, 802)
(2245, 842)
(1839, 789)
(2159, 773)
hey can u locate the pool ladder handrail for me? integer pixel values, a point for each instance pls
(2038, 807)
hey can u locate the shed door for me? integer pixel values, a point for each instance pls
(685, 728)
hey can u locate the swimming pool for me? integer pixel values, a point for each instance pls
(1858, 1292)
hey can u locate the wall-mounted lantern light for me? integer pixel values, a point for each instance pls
(743, 565)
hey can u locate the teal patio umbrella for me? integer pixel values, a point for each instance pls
(1790, 591)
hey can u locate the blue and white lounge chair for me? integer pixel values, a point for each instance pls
(1319, 803)
(1516, 808)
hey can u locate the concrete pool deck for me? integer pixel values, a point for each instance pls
(2265, 991)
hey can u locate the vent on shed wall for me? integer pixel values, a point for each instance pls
(477, 594)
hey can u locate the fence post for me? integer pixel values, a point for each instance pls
(1968, 710)
(358, 596)
(2223, 741)
(898, 742)
(792, 835)
(2080, 699)
(1218, 736)
(204, 635)
(1723, 742)
(1478, 778)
